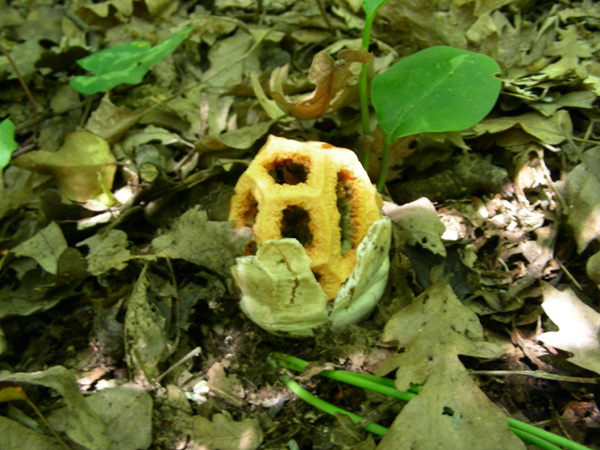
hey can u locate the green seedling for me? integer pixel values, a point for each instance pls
(7, 142)
(436, 90)
(123, 63)
(527, 433)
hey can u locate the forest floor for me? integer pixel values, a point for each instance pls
(120, 319)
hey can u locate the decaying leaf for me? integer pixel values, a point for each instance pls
(418, 223)
(45, 247)
(334, 88)
(224, 433)
(126, 411)
(213, 245)
(435, 324)
(110, 122)
(81, 423)
(76, 165)
(16, 437)
(550, 130)
(583, 186)
(107, 251)
(145, 338)
(578, 326)
(450, 411)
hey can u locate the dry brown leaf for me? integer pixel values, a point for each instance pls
(334, 86)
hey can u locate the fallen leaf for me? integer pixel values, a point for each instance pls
(334, 85)
(435, 324)
(45, 247)
(224, 433)
(213, 245)
(126, 411)
(81, 423)
(145, 337)
(576, 99)
(578, 326)
(17, 437)
(110, 122)
(550, 130)
(418, 223)
(583, 185)
(450, 411)
(107, 251)
(75, 165)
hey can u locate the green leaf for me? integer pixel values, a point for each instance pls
(123, 63)
(7, 142)
(438, 89)
(371, 6)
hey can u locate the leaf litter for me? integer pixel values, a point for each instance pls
(116, 250)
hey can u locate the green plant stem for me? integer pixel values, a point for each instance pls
(543, 434)
(328, 408)
(534, 440)
(527, 433)
(385, 162)
(363, 86)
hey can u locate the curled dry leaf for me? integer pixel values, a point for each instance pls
(335, 85)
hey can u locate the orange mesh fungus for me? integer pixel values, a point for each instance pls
(311, 191)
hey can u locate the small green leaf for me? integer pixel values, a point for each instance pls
(123, 63)
(371, 6)
(7, 142)
(436, 90)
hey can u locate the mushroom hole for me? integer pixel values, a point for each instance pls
(288, 171)
(295, 224)
(343, 191)
(251, 211)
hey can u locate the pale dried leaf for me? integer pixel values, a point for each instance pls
(578, 326)
(450, 413)
(224, 433)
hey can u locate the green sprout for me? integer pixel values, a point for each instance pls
(527, 433)
(123, 63)
(436, 90)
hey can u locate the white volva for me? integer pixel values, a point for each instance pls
(280, 292)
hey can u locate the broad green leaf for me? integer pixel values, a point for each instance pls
(123, 63)
(7, 142)
(371, 6)
(438, 89)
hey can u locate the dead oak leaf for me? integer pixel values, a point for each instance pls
(436, 323)
(450, 413)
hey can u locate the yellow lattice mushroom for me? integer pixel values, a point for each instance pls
(310, 206)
